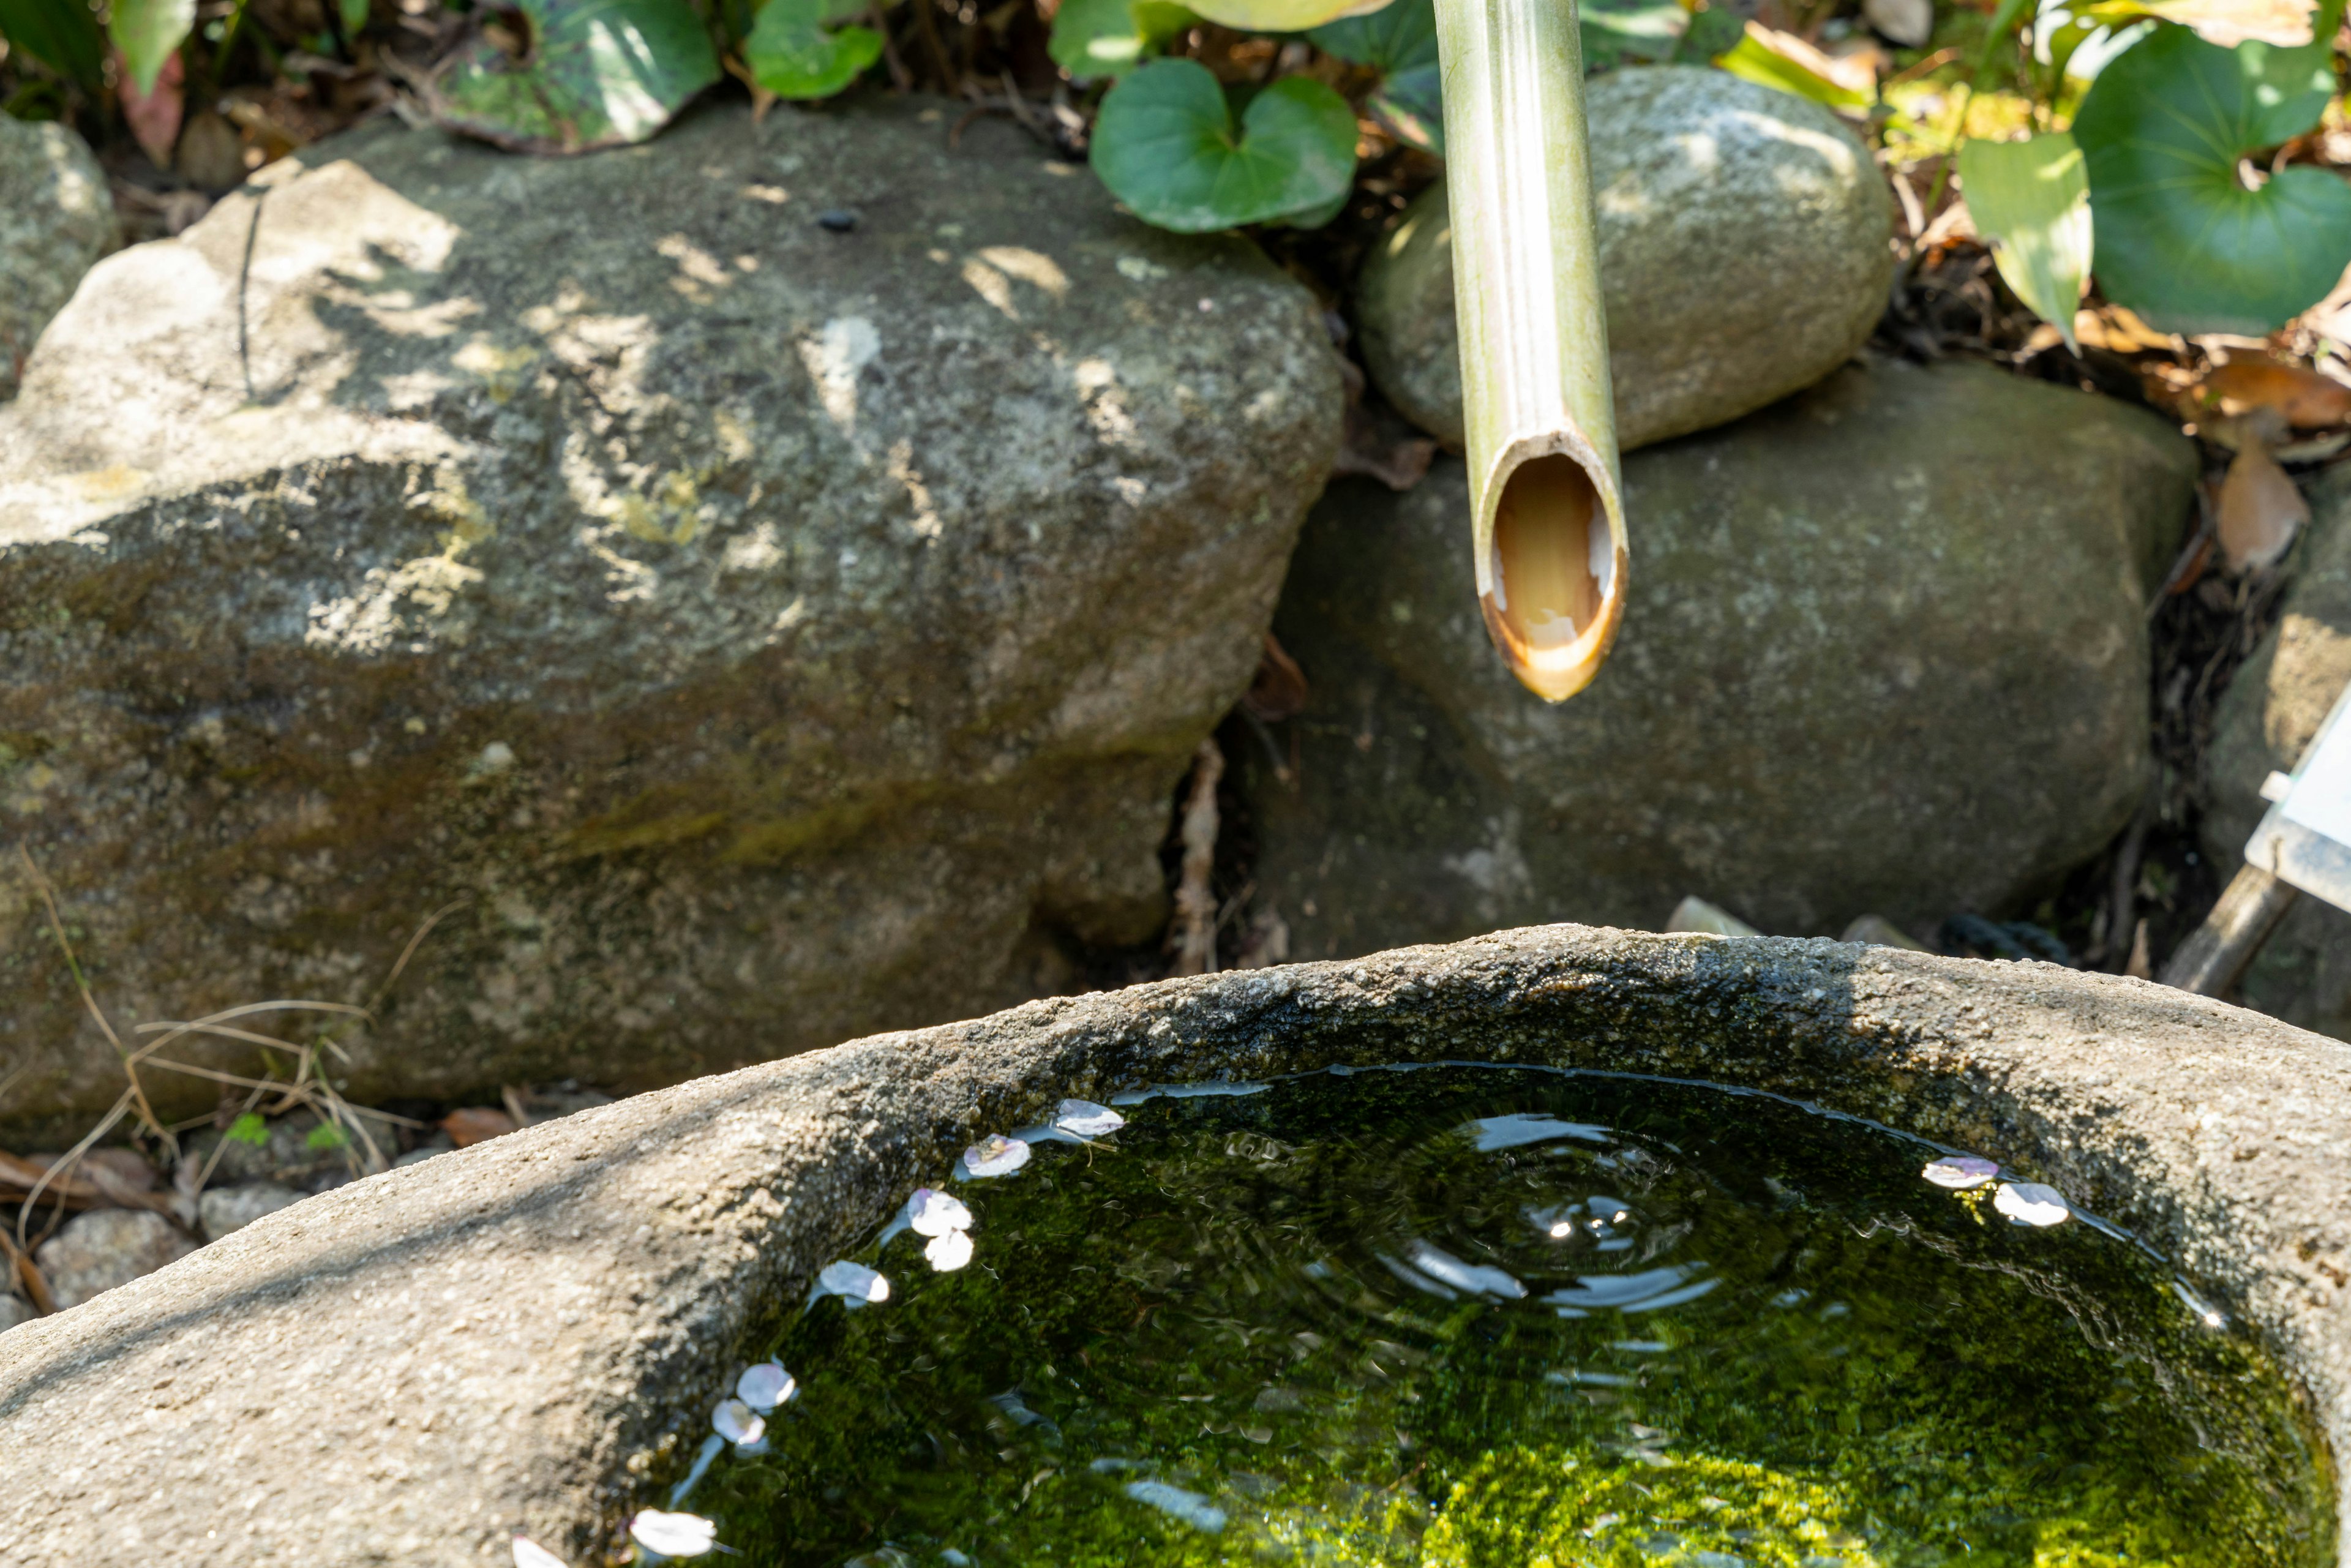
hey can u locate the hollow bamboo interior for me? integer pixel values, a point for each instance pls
(1547, 520)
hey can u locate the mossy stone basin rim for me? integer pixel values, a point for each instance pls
(527, 1336)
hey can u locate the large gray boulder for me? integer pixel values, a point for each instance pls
(2271, 711)
(757, 633)
(529, 1335)
(1884, 652)
(57, 218)
(1744, 254)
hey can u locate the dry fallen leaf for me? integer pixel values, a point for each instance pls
(475, 1125)
(2119, 329)
(2260, 510)
(2306, 398)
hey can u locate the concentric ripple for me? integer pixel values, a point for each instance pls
(1475, 1316)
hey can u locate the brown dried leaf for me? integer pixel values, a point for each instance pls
(2304, 397)
(1278, 689)
(475, 1125)
(2260, 510)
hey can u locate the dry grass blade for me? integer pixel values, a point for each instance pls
(28, 1274)
(63, 1168)
(73, 966)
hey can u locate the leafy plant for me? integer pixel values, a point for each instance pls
(2169, 183)
(1166, 146)
(251, 1127)
(796, 52)
(2188, 227)
(148, 33)
(597, 73)
(1400, 40)
(1093, 38)
(2031, 200)
(60, 34)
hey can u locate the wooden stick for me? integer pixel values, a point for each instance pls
(2213, 958)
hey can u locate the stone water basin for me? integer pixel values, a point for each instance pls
(528, 1336)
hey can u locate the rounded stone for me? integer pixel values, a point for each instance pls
(2268, 714)
(224, 1209)
(57, 218)
(746, 635)
(107, 1247)
(1883, 652)
(588, 1285)
(1743, 256)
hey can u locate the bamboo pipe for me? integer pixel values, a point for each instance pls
(1547, 520)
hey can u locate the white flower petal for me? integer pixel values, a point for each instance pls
(854, 1283)
(673, 1534)
(530, 1553)
(736, 1422)
(994, 1155)
(949, 1251)
(765, 1386)
(2029, 1202)
(937, 1213)
(1961, 1172)
(1086, 1119)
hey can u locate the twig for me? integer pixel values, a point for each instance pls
(950, 80)
(28, 1274)
(2124, 888)
(1195, 900)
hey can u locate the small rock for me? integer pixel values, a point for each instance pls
(1884, 652)
(1743, 256)
(210, 156)
(1908, 23)
(15, 1310)
(226, 1208)
(105, 1248)
(837, 220)
(57, 219)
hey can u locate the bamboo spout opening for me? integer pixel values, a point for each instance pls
(1554, 592)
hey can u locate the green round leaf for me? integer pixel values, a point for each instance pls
(2180, 238)
(601, 73)
(147, 31)
(792, 55)
(1109, 38)
(1165, 145)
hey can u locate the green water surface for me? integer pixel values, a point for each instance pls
(1475, 1316)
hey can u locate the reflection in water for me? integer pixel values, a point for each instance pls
(1503, 1316)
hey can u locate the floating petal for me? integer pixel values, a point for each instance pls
(1086, 1119)
(530, 1553)
(949, 1251)
(1188, 1506)
(935, 1213)
(2029, 1202)
(853, 1283)
(1961, 1172)
(765, 1386)
(1510, 1131)
(994, 1155)
(736, 1421)
(673, 1534)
